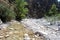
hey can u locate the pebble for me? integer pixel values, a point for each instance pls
(10, 32)
(11, 28)
(26, 37)
(6, 36)
(1, 36)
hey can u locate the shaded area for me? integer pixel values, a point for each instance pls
(38, 8)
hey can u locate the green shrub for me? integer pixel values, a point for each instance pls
(6, 14)
(21, 10)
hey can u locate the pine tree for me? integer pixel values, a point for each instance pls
(53, 11)
(21, 11)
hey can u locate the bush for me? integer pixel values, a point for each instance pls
(6, 14)
(20, 9)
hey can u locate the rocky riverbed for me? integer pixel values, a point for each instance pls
(50, 32)
(30, 29)
(14, 30)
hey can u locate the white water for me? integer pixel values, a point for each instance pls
(41, 25)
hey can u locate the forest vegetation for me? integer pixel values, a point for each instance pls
(19, 9)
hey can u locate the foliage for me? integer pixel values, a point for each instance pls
(58, 16)
(38, 8)
(53, 15)
(11, 1)
(21, 11)
(6, 14)
(53, 11)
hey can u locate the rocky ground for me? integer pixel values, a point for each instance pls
(16, 31)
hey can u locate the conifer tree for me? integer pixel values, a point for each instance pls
(21, 10)
(53, 11)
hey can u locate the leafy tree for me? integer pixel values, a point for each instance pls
(20, 9)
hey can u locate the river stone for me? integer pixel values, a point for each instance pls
(6, 36)
(26, 37)
(1, 37)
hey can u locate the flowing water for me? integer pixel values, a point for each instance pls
(51, 32)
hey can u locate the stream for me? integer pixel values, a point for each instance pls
(50, 32)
